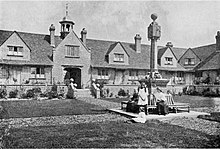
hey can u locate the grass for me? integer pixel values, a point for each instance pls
(110, 135)
(34, 108)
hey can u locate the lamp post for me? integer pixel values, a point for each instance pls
(154, 33)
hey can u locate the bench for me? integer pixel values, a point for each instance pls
(152, 104)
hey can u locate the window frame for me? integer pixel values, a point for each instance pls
(72, 51)
(39, 73)
(18, 52)
(167, 61)
(133, 75)
(103, 74)
(119, 57)
(189, 61)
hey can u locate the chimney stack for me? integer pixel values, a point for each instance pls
(137, 39)
(83, 35)
(217, 37)
(169, 44)
(52, 34)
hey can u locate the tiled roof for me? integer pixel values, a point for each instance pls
(178, 68)
(161, 51)
(204, 51)
(39, 45)
(178, 52)
(210, 63)
(141, 60)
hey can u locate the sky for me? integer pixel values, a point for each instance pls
(186, 24)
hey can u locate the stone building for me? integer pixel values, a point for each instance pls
(30, 58)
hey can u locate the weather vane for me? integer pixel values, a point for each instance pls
(67, 8)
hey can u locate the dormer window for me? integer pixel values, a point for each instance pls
(15, 51)
(168, 61)
(189, 61)
(72, 51)
(118, 57)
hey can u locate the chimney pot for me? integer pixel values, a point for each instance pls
(137, 39)
(83, 35)
(52, 34)
(217, 37)
(169, 44)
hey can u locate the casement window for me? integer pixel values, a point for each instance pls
(168, 61)
(198, 74)
(133, 75)
(118, 57)
(72, 51)
(189, 61)
(15, 51)
(37, 72)
(3, 73)
(180, 77)
(103, 74)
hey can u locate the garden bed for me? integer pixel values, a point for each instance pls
(110, 135)
(35, 108)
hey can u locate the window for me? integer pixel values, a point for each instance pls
(198, 74)
(37, 72)
(15, 51)
(168, 61)
(189, 61)
(103, 74)
(72, 51)
(133, 75)
(3, 73)
(180, 77)
(119, 57)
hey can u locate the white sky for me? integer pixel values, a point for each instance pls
(184, 23)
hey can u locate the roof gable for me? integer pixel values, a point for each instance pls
(189, 49)
(114, 46)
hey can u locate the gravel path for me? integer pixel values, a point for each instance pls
(206, 126)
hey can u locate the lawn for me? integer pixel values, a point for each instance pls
(110, 135)
(34, 108)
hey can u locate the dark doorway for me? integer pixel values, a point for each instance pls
(75, 73)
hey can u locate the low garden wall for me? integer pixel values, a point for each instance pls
(27, 87)
(114, 89)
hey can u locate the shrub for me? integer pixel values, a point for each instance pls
(3, 93)
(13, 94)
(31, 93)
(122, 92)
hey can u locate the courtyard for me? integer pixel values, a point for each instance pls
(85, 123)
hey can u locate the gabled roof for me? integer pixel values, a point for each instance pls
(99, 48)
(178, 52)
(204, 51)
(39, 45)
(161, 51)
(210, 63)
(187, 51)
(114, 45)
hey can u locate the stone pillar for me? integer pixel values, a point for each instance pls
(154, 33)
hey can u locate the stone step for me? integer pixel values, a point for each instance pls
(83, 93)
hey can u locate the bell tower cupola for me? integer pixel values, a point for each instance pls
(66, 24)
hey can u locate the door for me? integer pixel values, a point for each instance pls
(74, 73)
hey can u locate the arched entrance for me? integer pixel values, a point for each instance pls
(74, 73)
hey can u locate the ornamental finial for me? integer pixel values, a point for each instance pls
(154, 16)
